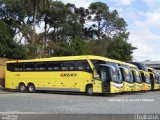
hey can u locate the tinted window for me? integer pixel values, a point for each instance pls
(29, 66)
(54, 66)
(14, 66)
(41, 66)
(83, 66)
(18, 67)
(116, 74)
(149, 70)
(10, 66)
(68, 65)
(96, 64)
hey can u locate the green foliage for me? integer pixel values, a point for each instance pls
(121, 50)
(99, 47)
(80, 46)
(107, 24)
(8, 47)
(68, 30)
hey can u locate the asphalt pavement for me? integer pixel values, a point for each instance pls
(61, 103)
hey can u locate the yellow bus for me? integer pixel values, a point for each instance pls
(158, 77)
(144, 74)
(2, 71)
(154, 77)
(90, 74)
(127, 77)
(137, 77)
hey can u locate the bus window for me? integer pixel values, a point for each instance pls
(41, 66)
(131, 77)
(83, 66)
(103, 75)
(29, 66)
(54, 66)
(147, 79)
(96, 64)
(116, 73)
(68, 65)
(136, 77)
(14, 67)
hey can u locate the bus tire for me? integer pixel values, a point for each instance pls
(22, 87)
(89, 90)
(31, 88)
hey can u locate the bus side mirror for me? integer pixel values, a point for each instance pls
(95, 75)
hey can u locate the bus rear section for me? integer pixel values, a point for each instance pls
(144, 74)
(2, 71)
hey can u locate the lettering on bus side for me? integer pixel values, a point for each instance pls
(68, 75)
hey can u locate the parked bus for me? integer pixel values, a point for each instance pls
(154, 77)
(90, 74)
(127, 77)
(144, 74)
(158, 76)
(157, 79)
(138, 83)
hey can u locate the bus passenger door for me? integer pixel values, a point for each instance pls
(105, 77)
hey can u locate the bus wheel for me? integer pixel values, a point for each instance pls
(31, 88)
(89, 90)
(22, 87)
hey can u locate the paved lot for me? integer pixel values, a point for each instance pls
(40, 104)
(72, 103)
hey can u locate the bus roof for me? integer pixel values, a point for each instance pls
(82, 57)
(124, 63)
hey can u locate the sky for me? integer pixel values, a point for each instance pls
(143, 19)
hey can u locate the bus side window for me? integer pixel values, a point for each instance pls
(96, 64)
(41, 66)
(10, 66)
(68, 65)
(29, 66)
(18, 67)
(83, 66)
(54, 66)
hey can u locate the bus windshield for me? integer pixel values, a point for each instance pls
(129, 75)
(116, 73)
(138, 77)
(147, 79)
(156, 76)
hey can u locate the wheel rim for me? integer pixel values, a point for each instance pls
(31, 88)
(90, 91)
(22, 88)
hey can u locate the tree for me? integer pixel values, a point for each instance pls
(80, 46)
(8, 47)
(99, 47)
(63, 28)
(68, 30)
(121, 50)
(36, 7)
(105, 23)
